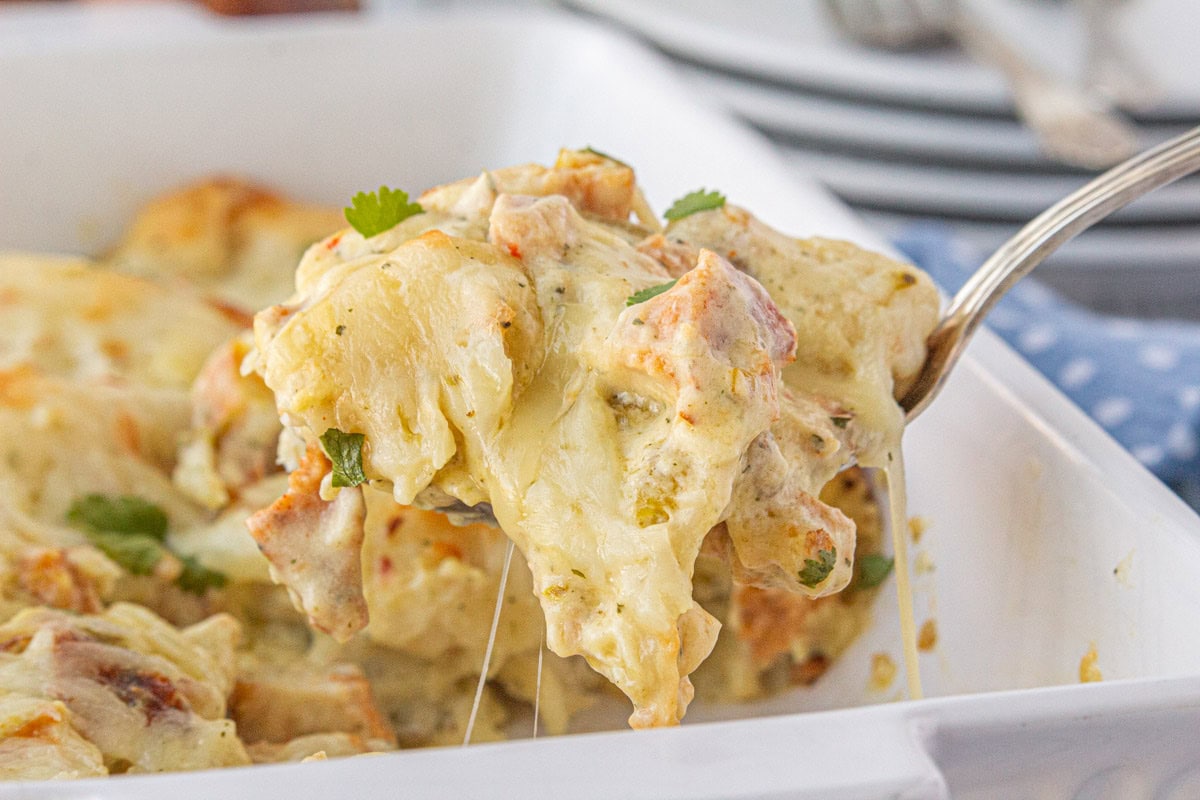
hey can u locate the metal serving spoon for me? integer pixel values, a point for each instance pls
(1017, 257)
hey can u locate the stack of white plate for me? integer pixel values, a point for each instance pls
(928, 134)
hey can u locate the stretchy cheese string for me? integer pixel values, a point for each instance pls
(537, 695)
(487, 654)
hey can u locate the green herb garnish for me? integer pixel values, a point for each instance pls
(595, 152)
(196, 577)
(345, 452)
(370, 213)
(817, 570)
(873, 569)
(131, 532)
(692, 202)
(122, 514)
(137, 554)
(646, 294)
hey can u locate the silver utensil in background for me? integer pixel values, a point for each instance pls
(1070, 126)
(1110, 71)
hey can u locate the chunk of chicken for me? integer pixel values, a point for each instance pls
(313, 548)
(234, 436)
(38, 742)
(70, 578)
(147, 696)
(861, 318)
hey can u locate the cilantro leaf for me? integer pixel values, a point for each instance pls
(692, 202)
(196, 577)
(817, 570)
(646, 294)
(873, 569)
(370, 213)
(118, 514)
(131, 531)
(345, 452)
(595, 152)
(136, 553)
(126, 528)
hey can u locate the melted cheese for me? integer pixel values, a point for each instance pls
(450, 415)
(499, 364)
(66, 318)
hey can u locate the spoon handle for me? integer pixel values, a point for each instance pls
(1069, 126)
(1109, 69)
(1017, 257)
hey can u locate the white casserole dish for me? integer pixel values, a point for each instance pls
(1031, 508)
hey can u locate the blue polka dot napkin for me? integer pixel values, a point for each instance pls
(1140, 379)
